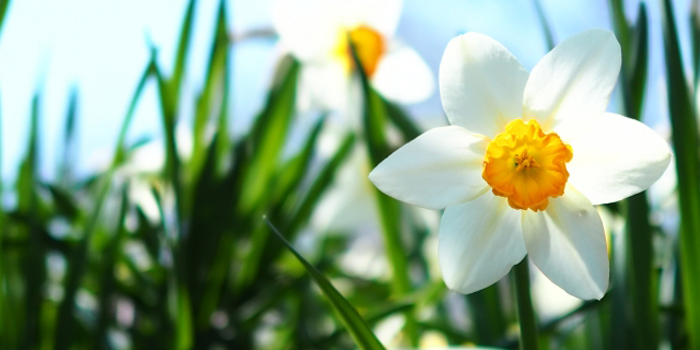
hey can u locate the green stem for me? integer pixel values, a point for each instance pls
(526, 314)
(389, 214)
(2, 227)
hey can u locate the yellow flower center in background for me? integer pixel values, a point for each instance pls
(369, 45)
(526, 165)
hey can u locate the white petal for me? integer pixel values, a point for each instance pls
(381, 15)
(308, 28)
(402, 76)
(614, 156)
(574, 79)
(567, 243)
(481, 84)
(479, 242)
(323, 86)
(441, 167)
(349, 204)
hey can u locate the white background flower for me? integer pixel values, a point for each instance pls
(484, 88)
(315, 32)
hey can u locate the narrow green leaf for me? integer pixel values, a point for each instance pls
(121, 140)
(544, 24)
(292, 173)
(64, 202)
(27, 203)
(182, 51)
(622, 29)
(107, 278)
(487, 314)
(184, 338)
(175, 302)
(27, 172)
(636, 300)
(685, 143)
(635, 57)
(262, 253)
(320, 184)
(526, 313)
(64, 324)
(169, 90)
(638, 63)
(284, 199)
(207, 243)
(67, 162)
(358, 328)
(374, 124)
(213, 99)
(642, 283)
(2, 228)
(3, 10)
(695, 37)
(169, 106)
(402, 121)
(268, 135)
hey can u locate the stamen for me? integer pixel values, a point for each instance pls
(526, 165)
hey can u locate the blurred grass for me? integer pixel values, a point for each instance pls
(362, 334)
(636, 298)
(684, 127)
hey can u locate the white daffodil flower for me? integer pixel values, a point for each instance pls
(526, 158)
(317, 33)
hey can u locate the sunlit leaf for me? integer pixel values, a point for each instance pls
(268, 135)
(3, 10)
(77, 263)
(685, 143)
(212, 101)
(27, 203)
(357, 327)
(635, 300)
(374, 125)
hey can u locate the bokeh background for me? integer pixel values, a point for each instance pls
(99, 50)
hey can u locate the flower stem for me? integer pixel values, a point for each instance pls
(526, 314)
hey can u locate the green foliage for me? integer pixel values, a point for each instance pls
(362, 334)
(636, 300)
(685, 143)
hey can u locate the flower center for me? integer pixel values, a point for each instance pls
(526, 165)
(369, 45)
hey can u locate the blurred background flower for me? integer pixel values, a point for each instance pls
(319, 33)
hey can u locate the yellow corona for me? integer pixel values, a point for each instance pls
(369, 45)
(526, 165)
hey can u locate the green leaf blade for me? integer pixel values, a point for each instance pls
(685, 143)
(358, 328)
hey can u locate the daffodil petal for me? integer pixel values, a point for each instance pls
(481, 84)
(402, 76)
(324, 86)
(381, 15)
(567, 243)
(479, 242)
(351, 196)
(308, 28)
(441, 167)
(574, 79)
(614, 156)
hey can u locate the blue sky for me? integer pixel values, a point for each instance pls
(100, 48)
